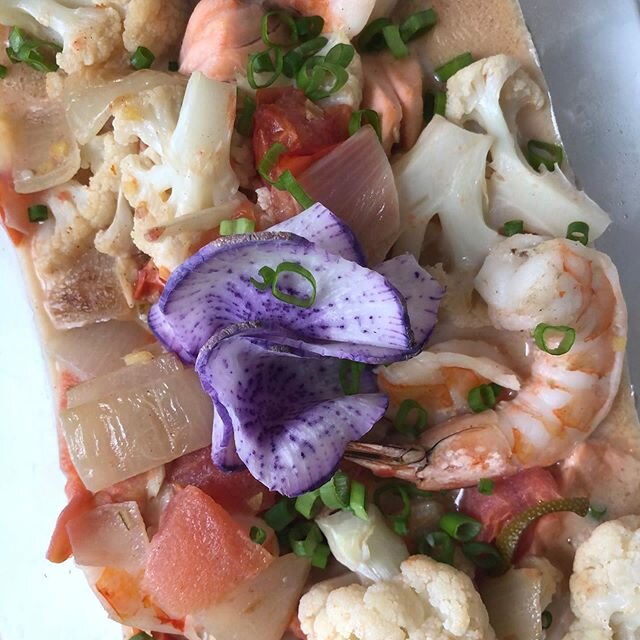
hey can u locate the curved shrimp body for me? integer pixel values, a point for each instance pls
(527, 280)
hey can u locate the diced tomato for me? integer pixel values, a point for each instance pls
(285, 115)
(59, 546)
(13, 209)
(198, 555)
(149, 284)
(509, 498)
(238, 491)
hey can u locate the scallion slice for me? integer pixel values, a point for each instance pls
(371, 37)
(438, 545)
(141, 58)
(483, 555)
(286, 181)
(449, 69)
(340, 54)
(258, 535)
(482, 398)
(309, 27)
(325, 79)
(597, 513)
(3, 71)
(394, 41)
(307, 504)
(335, 493)
(320, 556)
(512, 228)
(546, 619)
(544, 332)
(435, 104)
(399, 519)
(38, 212)
(365, 116)
(141, 635)
(37, 54)
(508, 539)
(262, 63)
(358, 500)
(544, 153)
(295, 58)
(411, 426)
(270, 278)
(460, 526)
(282, 17)
(237, 226)
(304, 537)
(281, 515)
(350, 374)
(579, 232)
(486, 486)
(417, 24)
(244, 119)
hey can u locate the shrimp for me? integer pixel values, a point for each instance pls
(527, 280)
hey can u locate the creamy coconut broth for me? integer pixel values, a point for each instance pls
(177, 279)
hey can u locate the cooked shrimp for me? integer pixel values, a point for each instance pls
(525, 281)
(393, 88)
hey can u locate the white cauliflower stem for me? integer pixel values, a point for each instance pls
(426, 601)
(491, 92)
(604, 584)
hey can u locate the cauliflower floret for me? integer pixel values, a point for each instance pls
(491, 92)
(103, 155)
(182, 183)
(605, 591)
(427, 601)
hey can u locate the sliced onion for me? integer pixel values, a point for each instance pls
(88, 101)
(127, 432)
(355, 181)
(98, 348)
(261, 607)
(112, 535)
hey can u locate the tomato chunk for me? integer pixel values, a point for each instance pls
(13, 210)
(509, 498)
(306, 129)
(238, 492)
(199, 554)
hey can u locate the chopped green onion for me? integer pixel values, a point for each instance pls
(283, 18)
(512, 228)
(304, 537)
(173, 65)
(320, 556)
(371, 38)
(546, 619)
(234, 227)
(142, 58)
(244, 119)
(31, 51)
(597, 513)
(258, 535)
(262, 62)
(483, 555)
(350, 374)
(38, 212)
(486, 486)
(578, 231)
(358, 500)
(281, 515)
(286, 181)
(3, 71)
(397, 46)
(508, 539)
(335, 493)
(417, 24)
(400, 519)
(449, 69)
(435, 104)
(270, 278)
(437, 545)
(307, 504)
(17, 39)
(564, 346)
(419, 422)
(340, 54)
(141, 635)
(482, 398)
(544, 153)
(309, 27)
(460, 526)
(369, 116)
(295, 58)
(325, 79)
